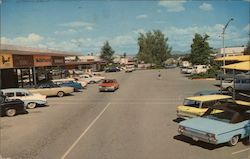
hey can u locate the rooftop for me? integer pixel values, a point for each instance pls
(23, 50)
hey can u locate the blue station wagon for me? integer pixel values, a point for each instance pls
(230, 125)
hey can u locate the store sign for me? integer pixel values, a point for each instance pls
(56, 60)
(6, 61)
(41, 60)
(23, 61)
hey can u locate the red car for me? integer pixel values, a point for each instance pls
(108, 85)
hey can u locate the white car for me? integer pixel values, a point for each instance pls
(90, 78)
(30, 100)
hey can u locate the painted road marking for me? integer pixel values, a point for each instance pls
(240, 151)
(84, 132)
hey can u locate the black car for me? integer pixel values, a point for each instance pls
(11, 107)
(112, 69)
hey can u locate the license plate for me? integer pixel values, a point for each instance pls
(195, 138)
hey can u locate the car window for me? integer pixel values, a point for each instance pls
(192, 103)
(1, 99)
(246, 81)
(225, 116)
(10, 94)
(20, 94)
(207, 104)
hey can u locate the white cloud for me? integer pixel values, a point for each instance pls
(247, 1)
(247, 28)
(173, 6)
(206, 7)
(142, 16)
(30, 40)
(66, 32)
(78, 24)
(159, 10)
(181, 38)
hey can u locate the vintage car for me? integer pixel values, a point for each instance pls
(228, 126)
(31, 100)
(51, 89)
(11, 107)
(108, 85)
(198, 105)
(69, 82)
(90, 79)
(112, 69)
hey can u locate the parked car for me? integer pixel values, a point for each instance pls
(187, 70)
(69, 82)
(230, 125)
(170, 66)
(241, 84)
(31, 100)
(108, 85)
(200, 69)
(90, 79)
(112, 69)
(51, 89)
(11, 107)
(198, 105)
(129, 68)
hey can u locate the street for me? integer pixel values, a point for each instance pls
(135, 122)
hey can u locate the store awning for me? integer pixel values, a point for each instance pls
(243, 66)
(234, 58)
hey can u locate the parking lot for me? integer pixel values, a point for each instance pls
(135, 122)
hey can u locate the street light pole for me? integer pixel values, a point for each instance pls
(223, 41)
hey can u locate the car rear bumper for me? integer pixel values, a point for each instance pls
(198, 137)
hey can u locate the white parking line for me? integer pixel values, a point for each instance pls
(84, 132)
(240, 151)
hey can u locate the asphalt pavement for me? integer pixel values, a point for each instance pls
(135, 122)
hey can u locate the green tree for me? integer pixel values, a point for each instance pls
(107, 53)
(247, 50)
(200, 50)
(153, 47)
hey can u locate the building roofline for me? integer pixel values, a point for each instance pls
(23, 50)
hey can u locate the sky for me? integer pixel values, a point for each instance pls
(83, 26)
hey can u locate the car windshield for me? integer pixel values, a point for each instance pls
(192, 103)
(225, 116)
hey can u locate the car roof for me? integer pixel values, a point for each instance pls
(232, 105)
(63, 80)
(209, 97)
(13, 90)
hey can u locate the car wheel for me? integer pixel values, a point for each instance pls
(234, 140)
(10, 112)
(60, 94)
(230, 89)
(31, 105)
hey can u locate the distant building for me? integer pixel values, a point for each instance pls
(231, 51)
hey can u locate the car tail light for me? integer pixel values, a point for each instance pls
(211, 137)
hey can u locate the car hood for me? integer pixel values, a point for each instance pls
(201, 124)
